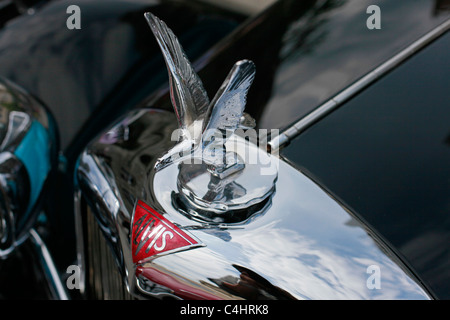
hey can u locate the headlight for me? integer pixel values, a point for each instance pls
(27, 154)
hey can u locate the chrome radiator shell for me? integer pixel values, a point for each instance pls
(302, 245)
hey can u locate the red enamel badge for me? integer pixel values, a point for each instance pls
(152, 235)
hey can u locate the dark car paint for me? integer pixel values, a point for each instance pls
(307, 51)
(87, 78)
(386, 155)
(78, 73)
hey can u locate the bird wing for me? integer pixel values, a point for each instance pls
(227, 107)
(189, 98)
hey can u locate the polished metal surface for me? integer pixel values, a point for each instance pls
(302, 245)
(215, 175)
(51, 274)
(80, 241)
(103, 279)
(27, 152)
(103, 193)
(13, 201)
(283, 139)
(189, 98)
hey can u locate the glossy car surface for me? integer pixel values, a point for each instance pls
(365, 184)
(385, 153)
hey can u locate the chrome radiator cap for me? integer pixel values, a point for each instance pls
(212, 172)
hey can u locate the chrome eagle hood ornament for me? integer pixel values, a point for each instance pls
(211, 155)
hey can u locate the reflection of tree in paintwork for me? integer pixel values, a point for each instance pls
(447, 140)
(251, 286)
(441, 7)
(306, 32)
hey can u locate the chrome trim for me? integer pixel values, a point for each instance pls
(81, 259)
(103, 278)
(27, 153)
(48, 266)
(325, 108)
(12, 173)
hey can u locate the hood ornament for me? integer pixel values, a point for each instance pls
(211, 153)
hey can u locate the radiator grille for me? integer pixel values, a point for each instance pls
(103, 278)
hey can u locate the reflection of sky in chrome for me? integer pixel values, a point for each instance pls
(305, 244)
(293, 261)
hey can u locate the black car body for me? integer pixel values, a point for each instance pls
(363, 181)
